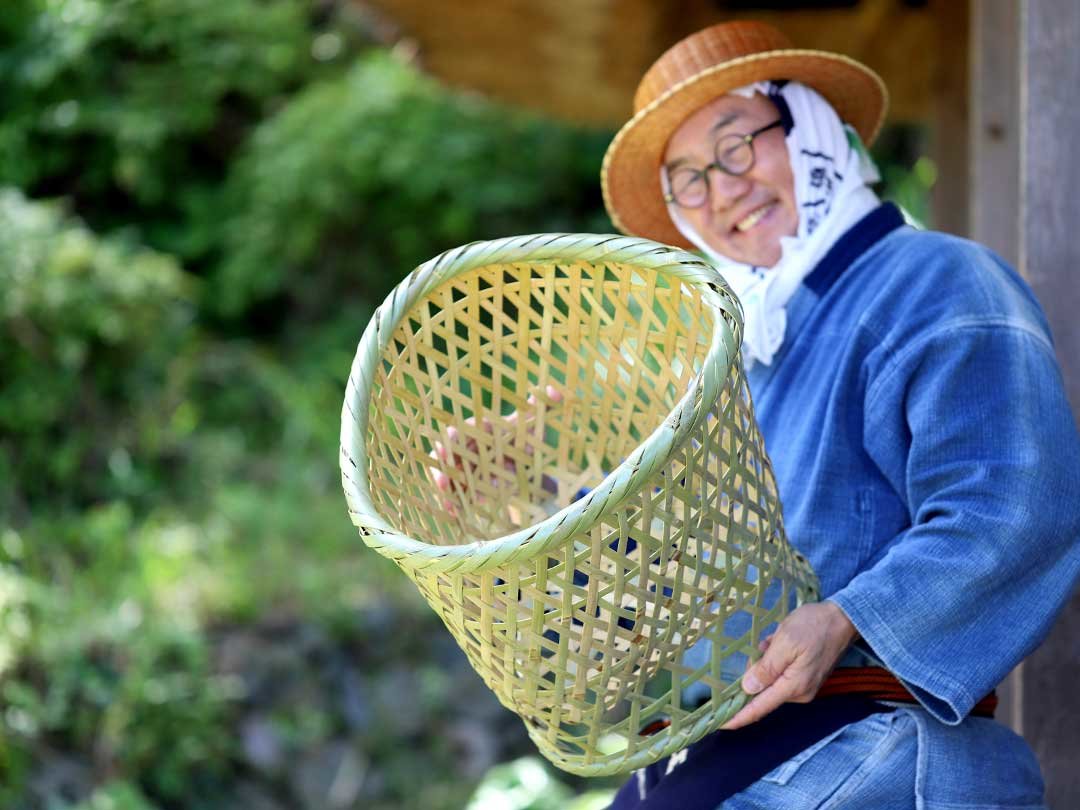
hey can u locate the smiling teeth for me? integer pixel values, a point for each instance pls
(746, 224)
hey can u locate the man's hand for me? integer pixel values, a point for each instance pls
(798, 657)
(450, 454)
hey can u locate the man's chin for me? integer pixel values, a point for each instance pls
(764, 260)
(755, 256)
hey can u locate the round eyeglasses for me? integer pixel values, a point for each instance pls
(732, 154)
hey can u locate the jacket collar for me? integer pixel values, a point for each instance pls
(880, 222)
(860, 237)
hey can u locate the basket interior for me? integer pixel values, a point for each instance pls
(619, 344)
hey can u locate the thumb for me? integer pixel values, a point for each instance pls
(771, 666)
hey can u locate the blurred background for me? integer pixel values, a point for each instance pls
(201, 203)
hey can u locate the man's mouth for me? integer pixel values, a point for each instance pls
(753, 218)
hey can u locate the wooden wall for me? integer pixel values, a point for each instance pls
(581, 59)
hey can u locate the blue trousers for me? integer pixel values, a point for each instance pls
(904, 760)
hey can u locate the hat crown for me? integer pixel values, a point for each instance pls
(705, 49)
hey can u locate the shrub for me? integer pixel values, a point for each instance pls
(134, 108)
(361, 177)
(92, 329)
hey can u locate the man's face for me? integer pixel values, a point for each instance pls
(743, 217)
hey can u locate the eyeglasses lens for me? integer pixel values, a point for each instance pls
(734, 153)
(688, 187)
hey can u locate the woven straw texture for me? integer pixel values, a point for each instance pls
(576, 609)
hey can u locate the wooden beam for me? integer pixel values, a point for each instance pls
(1050, 179)
(1023, 204)
(1050, 260)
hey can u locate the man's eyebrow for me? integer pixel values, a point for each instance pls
(723, 122)
(727, 120)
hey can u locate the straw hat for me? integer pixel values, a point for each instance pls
(697, 70)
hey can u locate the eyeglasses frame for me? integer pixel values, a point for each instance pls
(748, 139)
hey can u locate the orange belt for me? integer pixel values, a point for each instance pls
(880, 684)
(872, 682)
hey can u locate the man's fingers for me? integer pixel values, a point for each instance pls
(439, 478)
(777, 658)
(462, 447)
(764, 703)
(553, 394)
(796, 660)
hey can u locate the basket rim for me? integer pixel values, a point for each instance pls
(641, 463)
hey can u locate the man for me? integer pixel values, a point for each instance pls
(906, 387)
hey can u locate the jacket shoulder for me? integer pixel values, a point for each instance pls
(932, 279)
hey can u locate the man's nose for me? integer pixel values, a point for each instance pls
(725, 189)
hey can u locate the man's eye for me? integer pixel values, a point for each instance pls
(684, 180)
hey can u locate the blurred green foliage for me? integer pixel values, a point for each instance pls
(137, 105)
(115, 796)
(141, 699)
(201, 202)
(91, 327)
(527, 784)
(376, 171)
(908, 176)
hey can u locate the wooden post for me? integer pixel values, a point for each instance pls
(994, 207)
(950, 144)
(1024, 204)
(994, 127)
(1050, 260)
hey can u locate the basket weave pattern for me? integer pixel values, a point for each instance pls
(576, 609)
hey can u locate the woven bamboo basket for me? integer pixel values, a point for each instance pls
(609, 549)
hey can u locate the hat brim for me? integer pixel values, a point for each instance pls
(630, 176)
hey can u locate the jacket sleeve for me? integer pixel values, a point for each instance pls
(972, 427)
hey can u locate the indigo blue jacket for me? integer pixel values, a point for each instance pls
(926, 457)
(929, 467)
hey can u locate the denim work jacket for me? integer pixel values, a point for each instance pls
(929, 467)
(926, 457)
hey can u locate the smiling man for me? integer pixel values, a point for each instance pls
(735, 189)
(928, 462)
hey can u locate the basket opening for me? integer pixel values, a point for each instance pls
(620, 344)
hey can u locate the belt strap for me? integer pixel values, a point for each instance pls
(880, 684)
(874, 683)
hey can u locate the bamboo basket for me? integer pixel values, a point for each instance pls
(609, 562)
